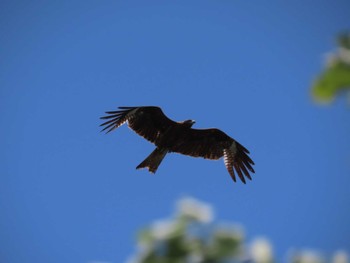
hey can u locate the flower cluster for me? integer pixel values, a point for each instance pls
(190, 236)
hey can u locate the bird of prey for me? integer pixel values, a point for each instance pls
(169, 136)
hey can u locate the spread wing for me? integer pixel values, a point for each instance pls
(236, 159)
(148, 121)
(206, 143)
(214, 144)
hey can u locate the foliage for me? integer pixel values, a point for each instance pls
(335, 79)
(191, 237)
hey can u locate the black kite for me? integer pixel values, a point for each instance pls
(170, 136)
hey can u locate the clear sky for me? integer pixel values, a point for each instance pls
(69, 193)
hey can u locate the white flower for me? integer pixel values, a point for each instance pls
(134, 259)
(330, 58)
(195, 258)
(344, 55)
(309, 257)
(162, 229)
(261, 250)
(340, 257)
(231, 229)
(192, 208)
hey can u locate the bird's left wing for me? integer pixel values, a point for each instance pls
(147, 121)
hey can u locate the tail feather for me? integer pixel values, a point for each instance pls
(153, 160)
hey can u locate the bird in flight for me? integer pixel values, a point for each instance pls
(169, 136)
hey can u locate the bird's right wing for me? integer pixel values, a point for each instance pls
(149, 121)
(214, 144)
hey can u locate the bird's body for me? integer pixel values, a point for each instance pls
(170, 136)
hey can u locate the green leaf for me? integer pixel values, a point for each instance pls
(333, 81)
(344, 40)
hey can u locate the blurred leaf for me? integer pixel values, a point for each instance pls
(227, 245)
(177, 247)
(335, 79)
(344, 40)
(145, 236)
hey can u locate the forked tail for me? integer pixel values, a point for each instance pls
(153, 160)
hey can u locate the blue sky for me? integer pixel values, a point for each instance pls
(69, 193)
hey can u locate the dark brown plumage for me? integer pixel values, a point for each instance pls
(170, 136)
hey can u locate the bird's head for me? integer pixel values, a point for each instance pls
(188, 123)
